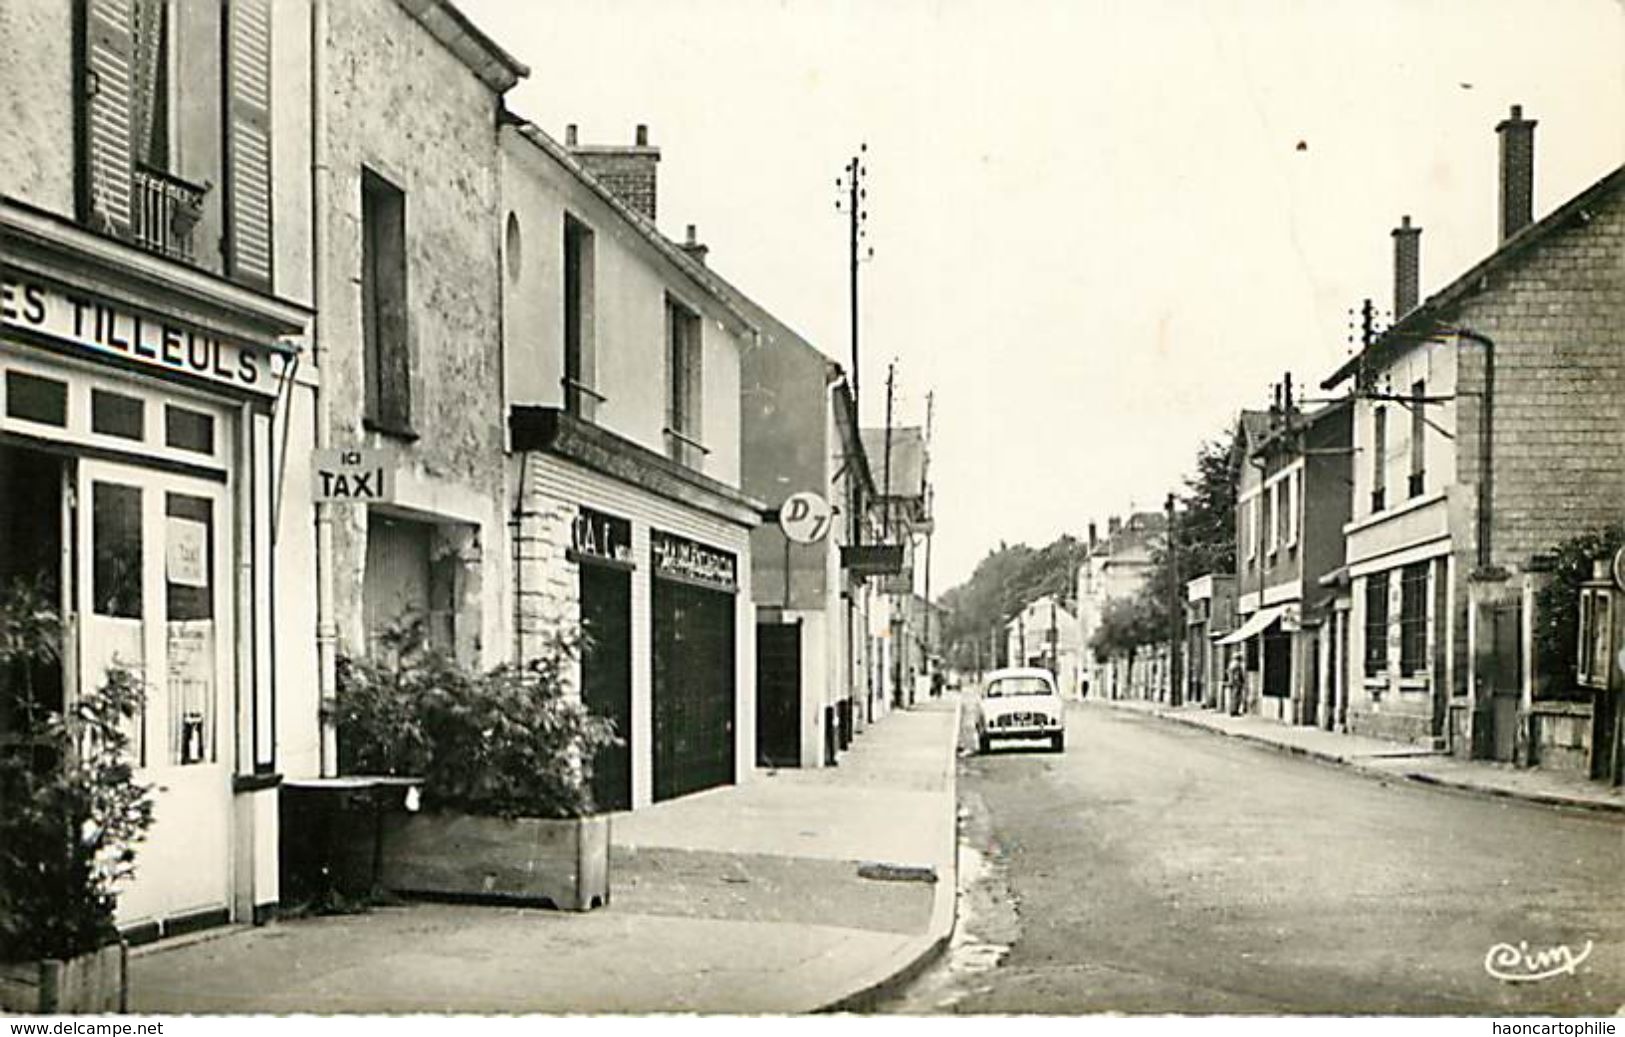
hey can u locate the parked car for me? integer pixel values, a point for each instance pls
(1021, 702)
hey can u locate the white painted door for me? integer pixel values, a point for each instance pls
(154, 572)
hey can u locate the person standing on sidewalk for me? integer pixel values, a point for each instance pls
(1236, 684)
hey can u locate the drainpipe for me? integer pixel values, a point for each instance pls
(326, 629)
(1486, 446)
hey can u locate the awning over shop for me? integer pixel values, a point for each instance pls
(1257, 624)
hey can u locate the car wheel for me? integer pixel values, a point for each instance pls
(984, 744)
(1057, 742)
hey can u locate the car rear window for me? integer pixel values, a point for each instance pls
(1018, 686)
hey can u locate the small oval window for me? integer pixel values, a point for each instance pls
(515, 247)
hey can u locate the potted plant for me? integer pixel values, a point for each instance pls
(71, 813)
(505, 760)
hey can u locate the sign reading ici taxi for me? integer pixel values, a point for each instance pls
(352, 476)
(804, 517)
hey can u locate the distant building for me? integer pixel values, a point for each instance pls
(1292, 502)
(899, 461)
(1115, 567)
(1045, 634)
(1210, 614)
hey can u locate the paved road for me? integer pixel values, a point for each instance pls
(1157, 868)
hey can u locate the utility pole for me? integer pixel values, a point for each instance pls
(1175, 633)
(885, 500)
(854, 176)
(1054, 646)
(930, 524)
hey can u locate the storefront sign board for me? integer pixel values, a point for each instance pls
(96, 325)
(681, 558)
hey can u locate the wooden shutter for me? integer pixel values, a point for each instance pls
(248, 141)
(106, 87)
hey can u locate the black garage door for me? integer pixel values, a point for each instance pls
(693, 688)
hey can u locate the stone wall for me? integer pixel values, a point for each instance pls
(405, 107)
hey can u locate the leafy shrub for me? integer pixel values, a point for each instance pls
(508, 743)
(71, 811)
(1557, 607)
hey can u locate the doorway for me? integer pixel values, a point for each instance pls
(32, 521)
(606, 676)
(1501, 677)
(152, 567)
(778, 694)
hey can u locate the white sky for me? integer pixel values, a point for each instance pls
(1095, 237)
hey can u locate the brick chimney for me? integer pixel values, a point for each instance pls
(627, 171)
(1407, 266)
(1113, 524)
(691, 245)
(1517, 171)
(1092, 538)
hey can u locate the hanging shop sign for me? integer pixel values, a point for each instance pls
(596, 536)
(94, 324)
(352, 476)
(805, 517)
(679, 558)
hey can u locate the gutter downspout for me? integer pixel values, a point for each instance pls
(1486, 448)
(326, 628)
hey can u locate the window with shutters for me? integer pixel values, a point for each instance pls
(174, 99)
(683, 380)
(386, 351)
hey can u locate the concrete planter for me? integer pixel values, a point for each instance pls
(91, 984)
(559, 863)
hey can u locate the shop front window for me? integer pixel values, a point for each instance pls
(190, 626)
(117, 546)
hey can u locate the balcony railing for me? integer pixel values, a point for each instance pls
(167, 211)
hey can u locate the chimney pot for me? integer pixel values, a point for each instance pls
(1517, 202)
(1407, 267)
(570, 135)
(642, 137)
(692, 239)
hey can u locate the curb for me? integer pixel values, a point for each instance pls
(1419, 777)
(907, 964)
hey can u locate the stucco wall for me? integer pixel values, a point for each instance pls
(402, 105)
(632, 280)
(36, 103)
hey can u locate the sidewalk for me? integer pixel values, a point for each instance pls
(743, 899)
(1394, 759)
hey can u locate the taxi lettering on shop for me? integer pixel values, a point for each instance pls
(99, 326)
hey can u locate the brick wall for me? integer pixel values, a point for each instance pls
(547, 594)
(1557, 317)
(628, 173)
